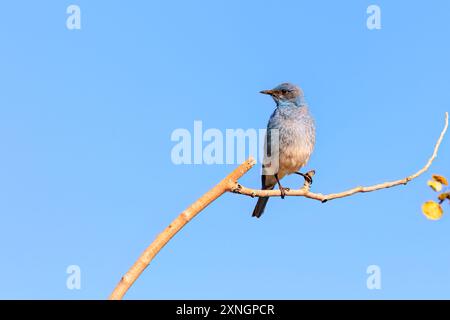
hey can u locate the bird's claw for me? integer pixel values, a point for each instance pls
(283, 191)
(308, 176)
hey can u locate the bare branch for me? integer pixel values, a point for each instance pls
(230, 184)
(187, 215)
(304, 192)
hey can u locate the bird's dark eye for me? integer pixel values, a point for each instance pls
(284, 91)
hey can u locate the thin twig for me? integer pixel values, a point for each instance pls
(230, 184)
(304, 192)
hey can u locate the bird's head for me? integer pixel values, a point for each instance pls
(285, 94)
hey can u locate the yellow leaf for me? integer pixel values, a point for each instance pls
(432, 210)
(435, 185)
(440, 179)
(444, 196)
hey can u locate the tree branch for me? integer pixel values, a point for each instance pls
(230, 184)
(187, 215)
(304, 192)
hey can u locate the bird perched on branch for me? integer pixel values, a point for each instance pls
(289, 141)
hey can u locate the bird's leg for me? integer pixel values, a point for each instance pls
(282, 189)
(307, 176)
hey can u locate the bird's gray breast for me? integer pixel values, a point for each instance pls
(296, 137)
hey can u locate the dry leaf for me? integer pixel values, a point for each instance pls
(432, 210)
(443, 196)
(435, 185)
(440, 179)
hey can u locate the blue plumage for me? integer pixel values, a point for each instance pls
(295, 130)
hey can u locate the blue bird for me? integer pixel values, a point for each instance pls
(294, 143)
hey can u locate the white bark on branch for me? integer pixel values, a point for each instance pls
(230, 184)
(304, 192)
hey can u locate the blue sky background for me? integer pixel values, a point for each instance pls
(85, 171)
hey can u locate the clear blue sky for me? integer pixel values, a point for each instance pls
(86, 176)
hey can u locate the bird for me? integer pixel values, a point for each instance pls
(294, 129)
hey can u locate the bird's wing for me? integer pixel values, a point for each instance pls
(268, 181)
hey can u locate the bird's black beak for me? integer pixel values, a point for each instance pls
(269, 92)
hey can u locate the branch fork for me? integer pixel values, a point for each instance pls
(230, 184)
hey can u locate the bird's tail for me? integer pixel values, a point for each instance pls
(260, 206)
